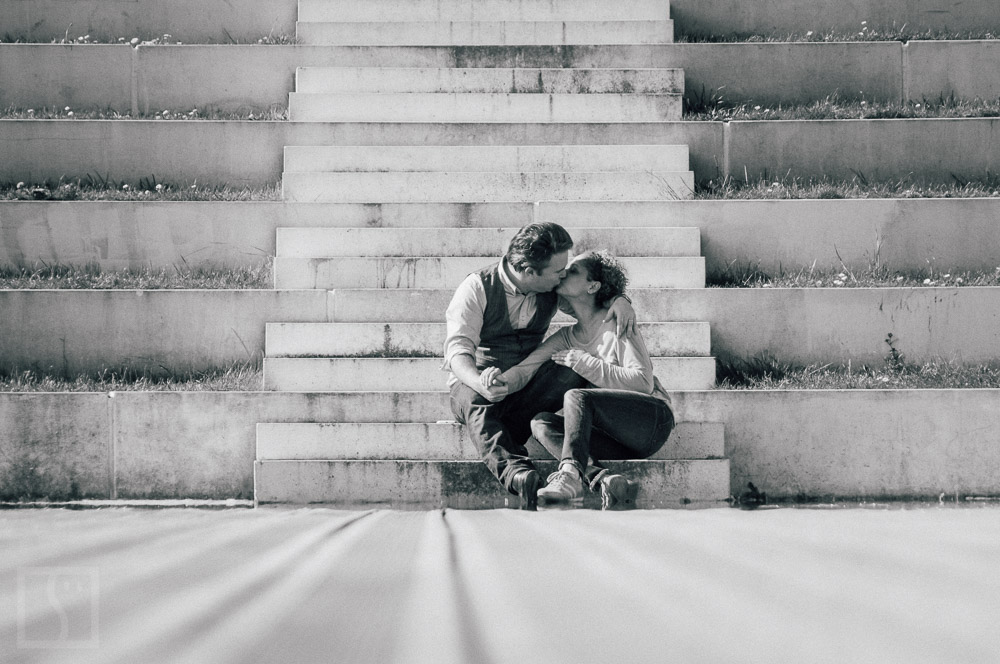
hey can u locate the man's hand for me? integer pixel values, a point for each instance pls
(623, 313)
(492, 385)
(568, 358)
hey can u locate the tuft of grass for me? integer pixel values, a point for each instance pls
(768, 187)
(238, 377)
(146, 40)
(750, 275)
(864, 33)
(95, 187)
(767, 373)
(272, 113)
(712, 106)
(92, 277)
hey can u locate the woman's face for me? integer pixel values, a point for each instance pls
(576, 282)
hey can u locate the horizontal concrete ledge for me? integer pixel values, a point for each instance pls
(485, 243)
(470, 485)
(534, 80)
(912, 443)
(398, 339)
(221, 20)
(946, 235)
(461, 10)
(235, 76)
(249, 153)
(485, 32)
(87, 331)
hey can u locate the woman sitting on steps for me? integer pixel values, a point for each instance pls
(624, 415)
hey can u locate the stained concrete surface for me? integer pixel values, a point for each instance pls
(304, 585)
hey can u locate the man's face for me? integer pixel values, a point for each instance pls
(549, 277)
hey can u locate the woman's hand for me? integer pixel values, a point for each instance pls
(623, 313)
(568, 358)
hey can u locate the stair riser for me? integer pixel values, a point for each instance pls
(476, 107)
(487, 159)
(420, 374)
(308, 273)
(479, 187)
(428, 242)
(468, 484)
(329, 80)
(487, 33)
(343, 339)
(481, 10)
(426, 442)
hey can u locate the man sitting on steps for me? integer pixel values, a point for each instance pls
(497, 316)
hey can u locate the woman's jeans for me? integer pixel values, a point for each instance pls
(604, 424)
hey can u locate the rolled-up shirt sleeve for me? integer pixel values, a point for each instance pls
(464, 319)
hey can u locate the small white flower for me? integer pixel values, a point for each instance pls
(135, 41)
(864, 103)
(809, 34)
(917, 106)
(927, 282)
(899, 278)
(31, 111)
(959, 280)
(66, 109)
(70, 114)
(20, 185)
(819, 283)
(864, 22)
(756, 108)
(838, 282)
(841, 276)
(125, 186)
(159, 187)
(947, 276)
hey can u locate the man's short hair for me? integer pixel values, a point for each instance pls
(536, 244)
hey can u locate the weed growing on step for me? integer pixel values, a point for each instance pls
(767, 187)
(95, 187)
(92, 276)
(238, 377)
(145, 40)
(864, 33)
(713, 106)
(750, 275)
(894, 373)
(273, 113)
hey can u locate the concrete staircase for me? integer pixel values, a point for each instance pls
(389, 285)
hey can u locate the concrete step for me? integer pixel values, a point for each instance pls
(444, 440)
(468, 484)
(409, 374)
(485, 242)
(406, 187)
(480, 10)
(428, 305)
(445, 272)
(486, 158)
(483, 107)
(485, 33)
(395, 339)
(338, 80)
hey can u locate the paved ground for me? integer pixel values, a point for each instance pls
(316, 585)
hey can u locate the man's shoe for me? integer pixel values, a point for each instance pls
(562, 487)
(525, 483)
(617, 493)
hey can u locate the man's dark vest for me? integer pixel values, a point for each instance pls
(500, 345)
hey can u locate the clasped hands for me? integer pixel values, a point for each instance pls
(493, 386)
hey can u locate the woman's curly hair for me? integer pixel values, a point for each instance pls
(605, 268)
